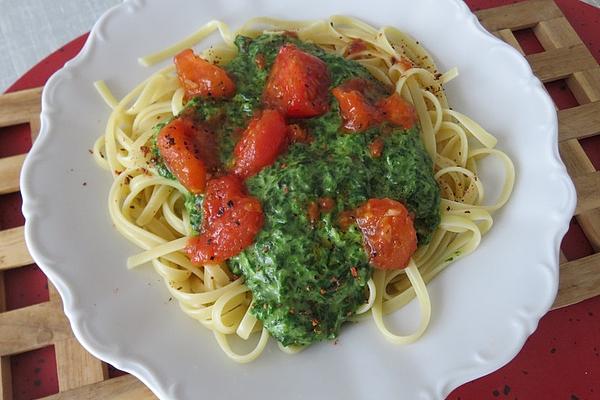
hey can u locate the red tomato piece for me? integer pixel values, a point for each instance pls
(357, 113)
(219, 192)
(398, 111)
(232, 219)
(388, 232)
(297, 84)
(189, 150)
(201, 78)
(262, 141)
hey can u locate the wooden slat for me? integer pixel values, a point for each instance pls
(579, 280)
(585, 85)
(556, 33)
(125, 387)
(2, 293)
(53, 293)
(5, 379)
(575, 158)
(562, 258)
(586, 89)
(579, 122)
(5, 372)
(76, 367)
(32, 327)
(13, 251)
(20, 107)
(34, 126)
(590, 224)
(578, 164)
(559, 63)
(518, 16)
(10, 170)
(507, 36)
(588, 191)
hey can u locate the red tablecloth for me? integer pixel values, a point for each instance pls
(561, 360)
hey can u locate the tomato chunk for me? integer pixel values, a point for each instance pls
(202, 78)
(189, 150)
(262, 141)
(231, 221)
(388, 232)
(357, 113)
(297, 84)
(398, 111)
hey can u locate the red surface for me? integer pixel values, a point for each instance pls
(34, 374)
(561, 360)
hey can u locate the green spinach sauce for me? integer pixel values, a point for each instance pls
(307, 280)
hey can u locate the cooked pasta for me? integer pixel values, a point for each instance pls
(149, 210)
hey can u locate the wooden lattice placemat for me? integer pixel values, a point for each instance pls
(564, 57)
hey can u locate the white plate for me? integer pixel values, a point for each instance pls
(484, 306)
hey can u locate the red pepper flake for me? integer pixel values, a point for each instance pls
(376, 147)
(335, 281)
(290, 34)
(297, 134)
(260, 61)
(170, 140)
(354, 272)
(313, 212)
(145, 150)
(326, 203)
(345, 219)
